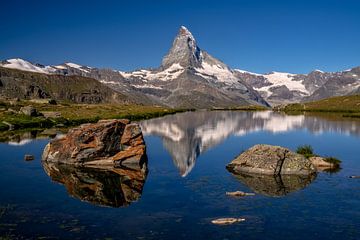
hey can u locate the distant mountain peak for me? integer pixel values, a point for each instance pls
(184, 31)
(184, 50)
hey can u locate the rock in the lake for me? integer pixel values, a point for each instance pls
(321, 164)
(115, 143)
(227, 221)
(29, 111)
(239, 194)
(354, 176)
(271, 160)
(29, 157)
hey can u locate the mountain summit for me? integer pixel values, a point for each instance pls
(183, 51)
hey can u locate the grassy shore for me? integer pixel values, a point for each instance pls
(348, 106)
(65, 114)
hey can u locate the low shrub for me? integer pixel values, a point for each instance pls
(305, 150)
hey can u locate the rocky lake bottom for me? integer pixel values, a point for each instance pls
(185, 186)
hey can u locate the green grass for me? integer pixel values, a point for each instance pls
(76, 114)
(343, 104)
(305, 150)
(308, 152)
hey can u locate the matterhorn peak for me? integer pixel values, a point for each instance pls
(185, 32)
(184, 50)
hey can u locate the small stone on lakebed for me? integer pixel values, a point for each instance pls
(239, 194)
(227, 221)
(29, 157)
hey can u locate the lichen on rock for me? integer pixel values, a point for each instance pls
(271, 160)
(113, 143)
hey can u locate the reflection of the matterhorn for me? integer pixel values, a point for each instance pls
(275, 185)
(187, 135)
(113, 187)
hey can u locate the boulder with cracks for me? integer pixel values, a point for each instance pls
(271, 160)
(112, 143)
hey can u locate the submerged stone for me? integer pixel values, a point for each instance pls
(29, 157)
(227, 221)
(239, 194)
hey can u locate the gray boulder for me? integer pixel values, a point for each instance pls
(29, 111)
(271, 160)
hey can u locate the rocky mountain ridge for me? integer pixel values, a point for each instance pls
(190, 77)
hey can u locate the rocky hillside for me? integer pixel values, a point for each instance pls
(33, 85)
(279, 88)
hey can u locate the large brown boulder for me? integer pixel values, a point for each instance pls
(113, 143)
(273, 160)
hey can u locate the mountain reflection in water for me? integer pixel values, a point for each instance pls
(187, 135)
(114, 187)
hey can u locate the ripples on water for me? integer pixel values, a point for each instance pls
(184, 188)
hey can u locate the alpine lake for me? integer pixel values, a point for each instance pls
(184, 188)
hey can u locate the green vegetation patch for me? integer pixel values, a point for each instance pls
(66, 114)
(342, 104)
(306, 150)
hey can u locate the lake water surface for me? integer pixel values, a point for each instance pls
(186, 182)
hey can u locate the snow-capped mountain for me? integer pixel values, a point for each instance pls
(280, 88)
(20, 64)
(190, 77)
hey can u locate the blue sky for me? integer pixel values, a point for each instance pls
(255, 35)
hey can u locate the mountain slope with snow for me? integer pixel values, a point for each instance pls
(189, 77)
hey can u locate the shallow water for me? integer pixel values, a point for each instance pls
(185, 186)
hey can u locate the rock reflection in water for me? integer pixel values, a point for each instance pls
(187, 135)
(275, 185)
(114, 187)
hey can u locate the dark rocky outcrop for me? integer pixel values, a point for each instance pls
(112, 143)
(271, 160)
(113, 187)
